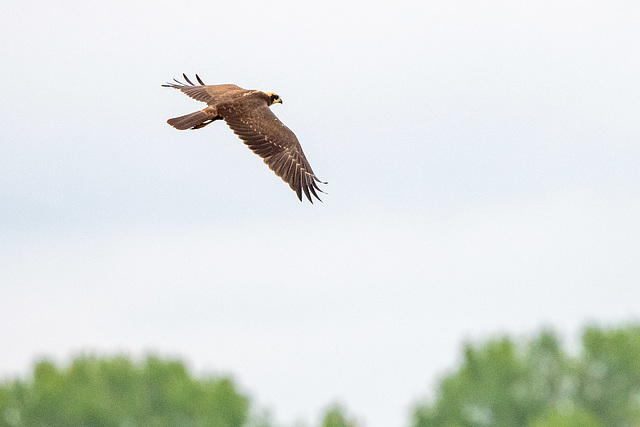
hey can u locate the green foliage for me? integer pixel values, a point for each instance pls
(570, 419)
(609, 375)
(117, 392)
(499, 383)
(106, 392)
(503, 383)
(335, 416)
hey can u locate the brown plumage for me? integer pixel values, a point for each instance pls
(248, 115)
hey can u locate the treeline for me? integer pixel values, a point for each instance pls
(537, 383)
(98, 391)
(499, 382)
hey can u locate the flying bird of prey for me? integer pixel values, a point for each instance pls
(248, 115)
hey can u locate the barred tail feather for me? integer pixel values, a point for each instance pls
(196, 120)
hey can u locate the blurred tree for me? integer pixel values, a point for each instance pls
(536, 384)
(609, 375)
(499, 383)
(100, 392)
(336, 416)
(568, 419)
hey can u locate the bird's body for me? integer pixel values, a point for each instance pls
(248, 115)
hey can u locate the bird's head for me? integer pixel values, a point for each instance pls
(274, 98)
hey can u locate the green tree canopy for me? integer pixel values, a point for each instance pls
(115, 391)
(336, 416)
(96, 392)
(504, 383)
(501, 382)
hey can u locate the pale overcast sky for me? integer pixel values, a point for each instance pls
(483, 161)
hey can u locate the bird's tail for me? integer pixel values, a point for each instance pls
(196, 120)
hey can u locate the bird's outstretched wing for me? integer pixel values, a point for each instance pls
(270, 139)
(209, 94)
